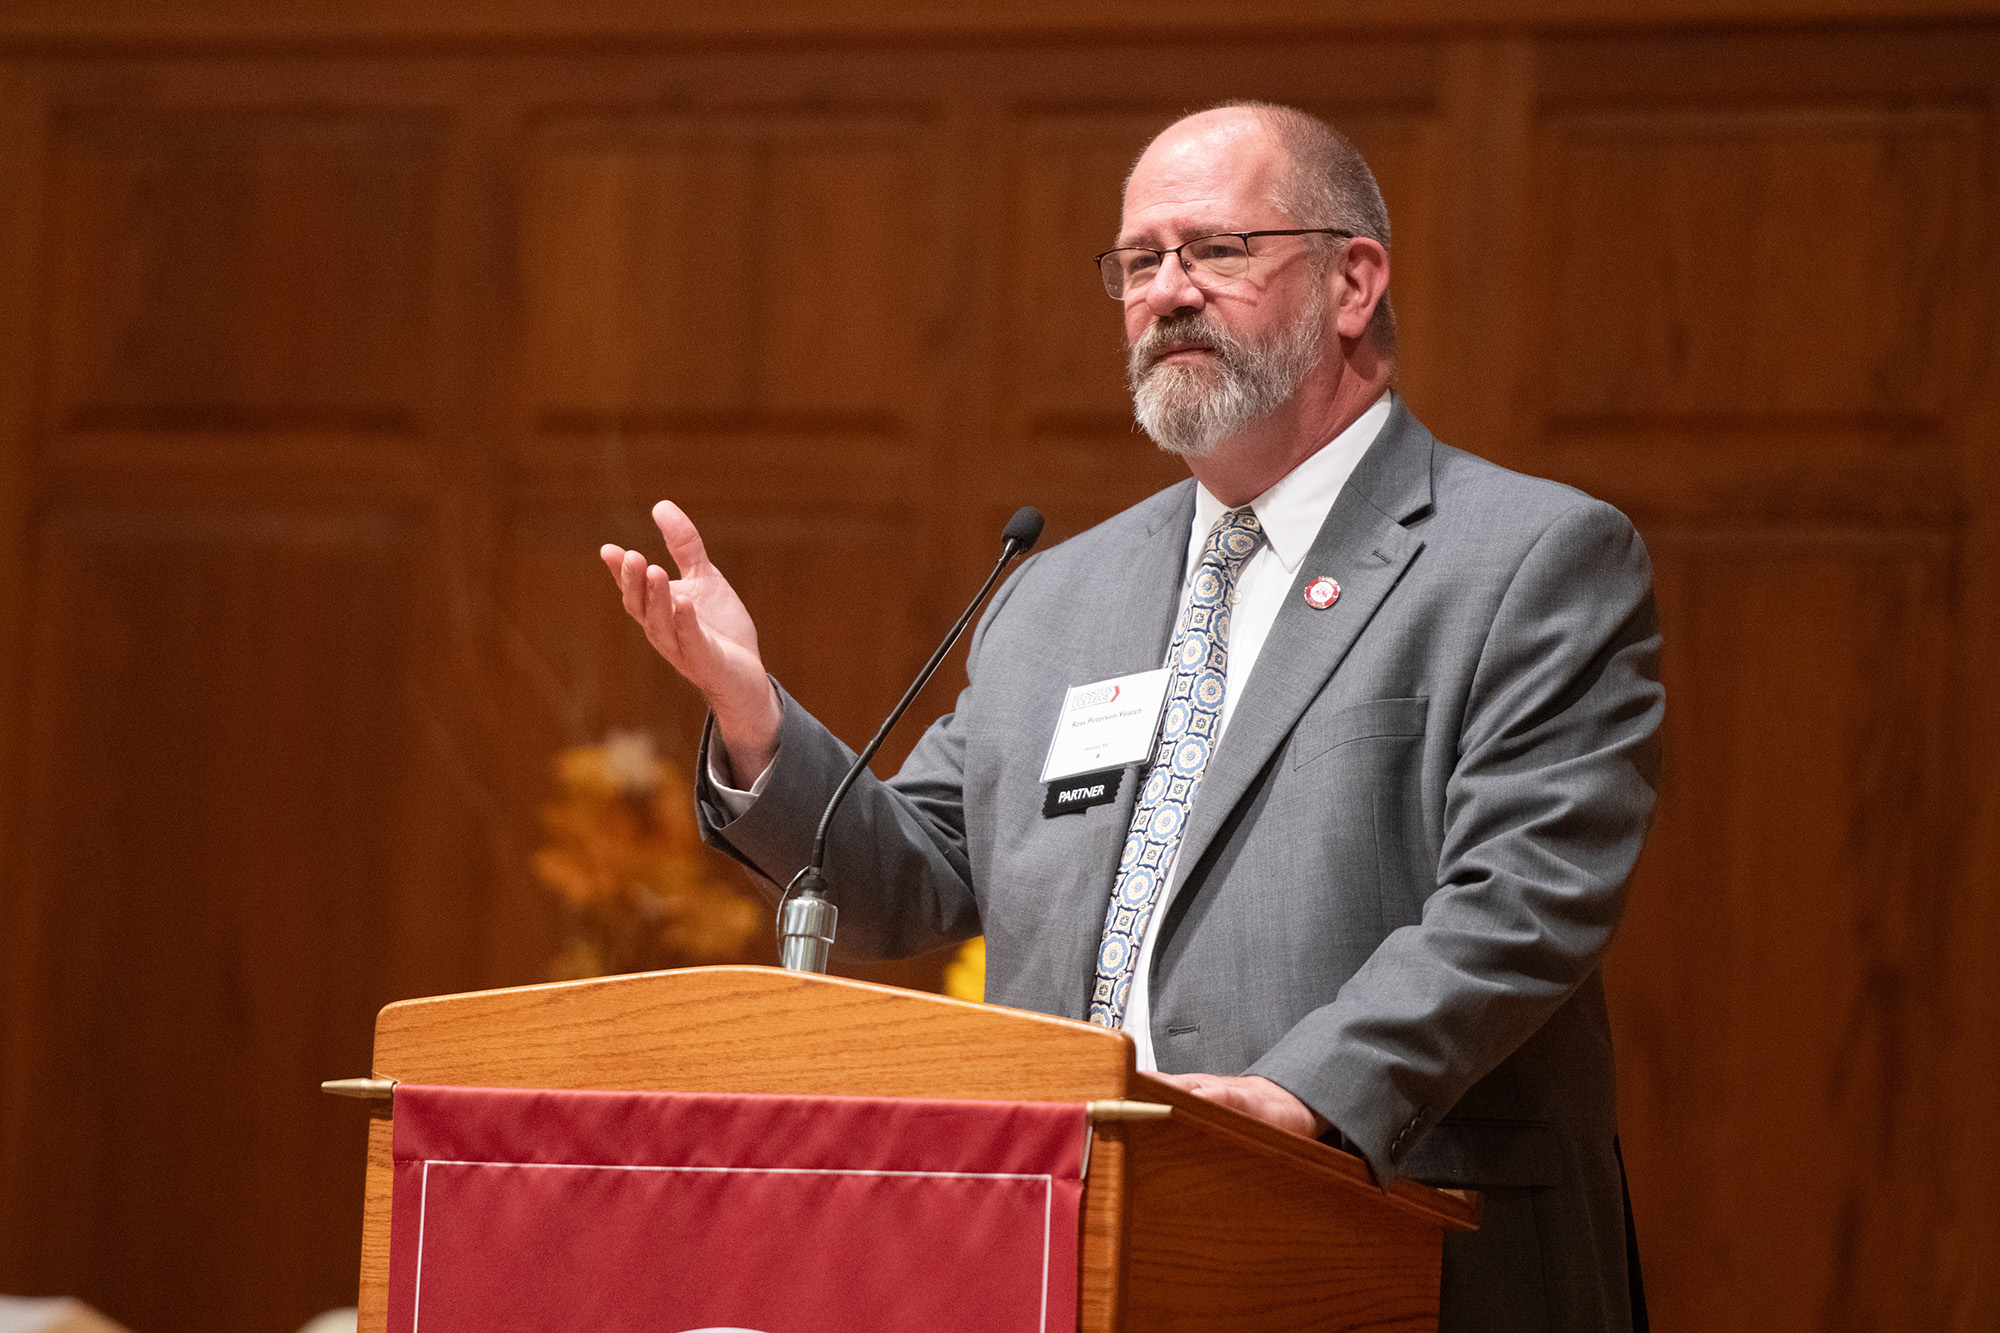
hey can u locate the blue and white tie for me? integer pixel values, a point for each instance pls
(1189, 729)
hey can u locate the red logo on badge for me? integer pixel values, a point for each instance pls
(1321, 593)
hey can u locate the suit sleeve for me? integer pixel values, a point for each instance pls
(897, 864)
(1544, 814)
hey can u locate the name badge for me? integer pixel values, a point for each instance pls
(1074, 795)
(1108, 724)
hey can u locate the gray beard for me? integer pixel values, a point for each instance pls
(1190, 409)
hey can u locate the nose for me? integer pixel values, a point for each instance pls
(1172, 289)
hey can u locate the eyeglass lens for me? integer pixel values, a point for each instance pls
(1130, 270)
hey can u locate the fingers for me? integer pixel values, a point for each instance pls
(1214, 1087)
(1191, 1082)
(676, 629)
(1255, 1096)
(669, 615)
(614, 560)
(684, 542)
(630, 572)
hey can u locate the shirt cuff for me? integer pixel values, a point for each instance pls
(735, 800)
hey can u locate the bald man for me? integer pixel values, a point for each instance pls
(1357, 878)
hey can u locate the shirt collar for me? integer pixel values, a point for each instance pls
(1293, 510)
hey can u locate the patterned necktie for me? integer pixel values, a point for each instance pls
(1188, 733)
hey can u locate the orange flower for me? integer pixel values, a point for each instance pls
(624, 854)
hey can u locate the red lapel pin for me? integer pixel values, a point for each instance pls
(1321, 593)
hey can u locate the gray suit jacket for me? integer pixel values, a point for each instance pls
(1403, 866)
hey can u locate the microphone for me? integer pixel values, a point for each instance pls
(806, 921)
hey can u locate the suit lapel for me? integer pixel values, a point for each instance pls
(1134, 597)
(1364, 546)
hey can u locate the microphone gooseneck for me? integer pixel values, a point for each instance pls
(805, 917)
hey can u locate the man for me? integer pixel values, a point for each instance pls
(1404, 763)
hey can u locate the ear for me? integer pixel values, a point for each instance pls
(1363, 271)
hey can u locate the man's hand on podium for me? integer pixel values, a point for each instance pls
(699, 624)
(1256, 1096)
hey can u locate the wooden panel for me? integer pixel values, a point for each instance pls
(1776, 987)
(1804, 70)
(1225, 1240)
(21, 148)
(1104, 1230)
(209, 823)
(1070, 173)
(623, 22)
(372, 1303)
(241, 270)
(1758, 474)
(726, 269)
(1967, 1089)
(1757, 264)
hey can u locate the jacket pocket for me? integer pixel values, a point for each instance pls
(1317, 736)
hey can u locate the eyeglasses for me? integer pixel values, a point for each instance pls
(1224, 255)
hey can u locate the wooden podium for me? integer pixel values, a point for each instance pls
(1194, 1217)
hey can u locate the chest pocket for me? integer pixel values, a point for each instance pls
(1315, 737)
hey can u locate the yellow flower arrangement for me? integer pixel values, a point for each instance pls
(624, 856)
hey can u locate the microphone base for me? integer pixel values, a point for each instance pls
(805, 933)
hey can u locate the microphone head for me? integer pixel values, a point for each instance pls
(1024, 528)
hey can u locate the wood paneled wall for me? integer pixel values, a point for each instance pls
(325, 364)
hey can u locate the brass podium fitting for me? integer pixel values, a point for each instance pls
(1099, 1112)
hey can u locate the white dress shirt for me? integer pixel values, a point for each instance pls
(1292, 513)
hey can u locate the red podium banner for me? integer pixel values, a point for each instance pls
(619, 1212)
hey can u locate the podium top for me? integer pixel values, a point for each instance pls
(748, 1029)
(763, 1030)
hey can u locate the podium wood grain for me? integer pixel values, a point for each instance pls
(1209, 1218)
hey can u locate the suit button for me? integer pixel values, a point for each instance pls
(1402, 1139)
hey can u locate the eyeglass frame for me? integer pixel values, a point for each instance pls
(1175, 251)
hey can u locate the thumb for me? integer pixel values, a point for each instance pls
(684, 544)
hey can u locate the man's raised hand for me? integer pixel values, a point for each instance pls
(699, 625)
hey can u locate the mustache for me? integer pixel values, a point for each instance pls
(1177, 333)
